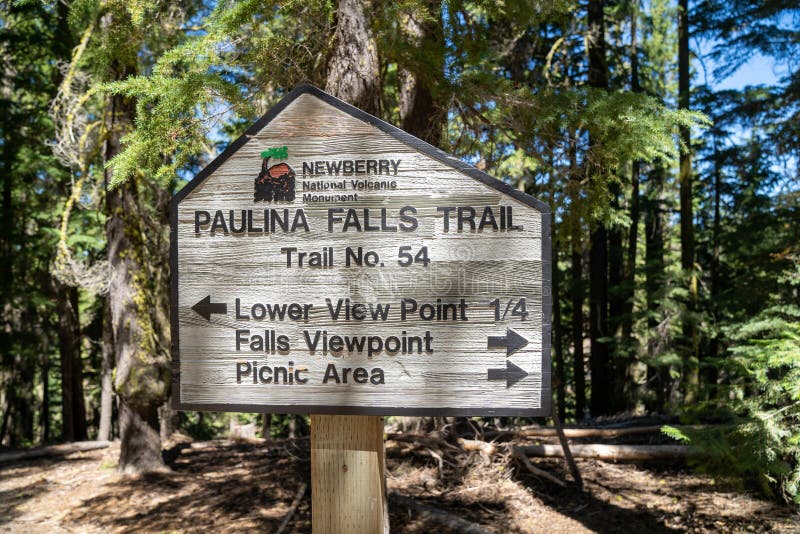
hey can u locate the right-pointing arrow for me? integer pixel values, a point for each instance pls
(512, 342)
(511, 374)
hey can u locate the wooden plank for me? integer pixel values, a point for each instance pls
(348, 491)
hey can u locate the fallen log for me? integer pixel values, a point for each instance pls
(436, 515)
(614, 452)
(53, 450)
(575, 433)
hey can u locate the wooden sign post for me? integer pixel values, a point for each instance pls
(330, 263)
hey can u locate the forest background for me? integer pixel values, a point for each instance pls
(677, 224)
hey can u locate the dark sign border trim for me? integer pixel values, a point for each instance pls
(424, 148)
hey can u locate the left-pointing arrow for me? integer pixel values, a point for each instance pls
(511, 374)
(205, 307)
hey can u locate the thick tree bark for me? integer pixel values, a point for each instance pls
(142, 369)
(601, 369)
(141, 372)
(690, 350)
(73, 409)
(420, 112)
(353, 69)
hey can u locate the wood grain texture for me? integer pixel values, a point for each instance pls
(476, 266)
(348, 487)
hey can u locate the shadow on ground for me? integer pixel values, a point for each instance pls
(220, 488)
(32, 483)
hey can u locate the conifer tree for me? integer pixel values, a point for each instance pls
(601, 369)
(690, 355)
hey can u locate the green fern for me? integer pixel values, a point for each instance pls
(760, 443)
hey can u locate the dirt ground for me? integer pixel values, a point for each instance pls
(224, 486)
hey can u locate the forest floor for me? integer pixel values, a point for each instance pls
(225, 486)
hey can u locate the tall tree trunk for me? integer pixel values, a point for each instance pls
(142, 375)
(654, 284)
(558, 333)
(141, 372)
(616, 306)
(22, 430)
(691, 377)
(10, 147)
(106, 375)
(629, 283)
(601, 375)
(601, 371)
(420, 112)
(73, 409)
(576, 291)
(578, 364)
(616, 301)
(712, 373)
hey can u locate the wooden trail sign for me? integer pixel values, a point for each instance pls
(330, 263)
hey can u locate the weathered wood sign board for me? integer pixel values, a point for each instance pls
(328, 262)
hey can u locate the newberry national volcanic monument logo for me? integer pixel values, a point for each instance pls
(276, 182)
